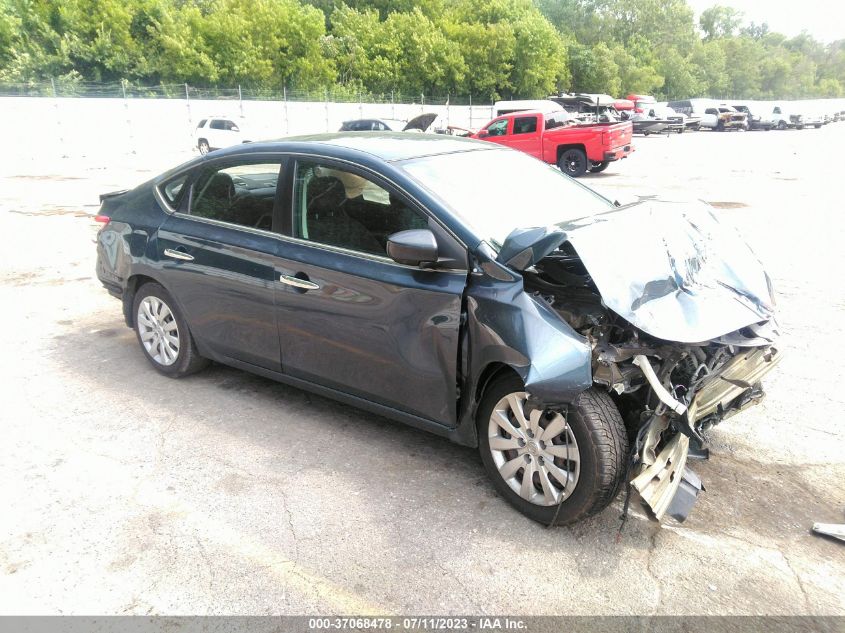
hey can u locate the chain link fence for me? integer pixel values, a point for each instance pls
(127, 90)
(84, 118)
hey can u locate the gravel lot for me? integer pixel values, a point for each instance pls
(125, 492)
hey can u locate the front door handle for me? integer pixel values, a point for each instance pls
(296, 282)
(180, 255)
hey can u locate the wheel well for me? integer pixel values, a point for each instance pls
(132, 286)
(200, 140)
(562, 148)
(489, 374)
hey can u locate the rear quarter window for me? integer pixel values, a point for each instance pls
(172, 190)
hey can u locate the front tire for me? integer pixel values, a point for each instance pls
(597, 168)
(573, 162)
(203, 147)
(163, 333)
(539, 460)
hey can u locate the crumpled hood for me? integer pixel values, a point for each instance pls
(670, 269)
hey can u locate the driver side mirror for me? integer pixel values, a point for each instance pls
(483, 134)
(414, 247)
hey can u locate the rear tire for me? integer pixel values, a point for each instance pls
(163, 333)
(596, 434)
(573, 162)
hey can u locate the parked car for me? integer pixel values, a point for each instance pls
(784, 119)
(697, 109)
(727, 118)
(217, 132)
(373, 125)
(812, 118)
(459, 287)
(559, 140)
(756, 119)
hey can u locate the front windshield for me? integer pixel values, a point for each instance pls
(496, 191)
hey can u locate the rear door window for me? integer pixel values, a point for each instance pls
(242, 194)
(525, 125)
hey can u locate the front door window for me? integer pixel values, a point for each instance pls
(339, 208)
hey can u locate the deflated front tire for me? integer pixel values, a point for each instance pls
(553, 466)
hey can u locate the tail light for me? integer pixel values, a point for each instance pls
(102, 219)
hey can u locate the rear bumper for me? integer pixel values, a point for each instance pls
(618, 153)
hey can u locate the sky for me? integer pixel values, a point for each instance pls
(823, 19)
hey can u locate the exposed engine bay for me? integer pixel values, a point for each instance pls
(669, 393)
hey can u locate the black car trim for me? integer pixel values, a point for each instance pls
(462, 433)
(286, 207)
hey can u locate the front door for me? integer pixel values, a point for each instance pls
(218, 259)
(352, 319)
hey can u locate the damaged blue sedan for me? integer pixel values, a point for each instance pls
(462, 288)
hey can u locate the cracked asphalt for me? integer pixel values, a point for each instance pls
(125, 492)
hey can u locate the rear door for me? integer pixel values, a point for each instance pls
(350, 318)
(218, 254)
(526, 134)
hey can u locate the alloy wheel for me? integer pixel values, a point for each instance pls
(158, 330)
(534, 450)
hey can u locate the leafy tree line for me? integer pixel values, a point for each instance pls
(489, 48)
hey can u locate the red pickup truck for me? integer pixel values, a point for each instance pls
(556, 138)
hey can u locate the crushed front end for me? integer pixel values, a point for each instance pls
(680, 322)
(671, 394)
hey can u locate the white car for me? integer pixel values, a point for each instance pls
(783, 118)
(217, 132)
(814, 118)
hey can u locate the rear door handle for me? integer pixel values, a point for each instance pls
(180, 255)
(296, 282)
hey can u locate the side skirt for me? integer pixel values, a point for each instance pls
(453, 434)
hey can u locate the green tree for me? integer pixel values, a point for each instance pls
(719, 21)
(594, 70)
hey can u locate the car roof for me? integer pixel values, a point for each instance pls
(387, 146)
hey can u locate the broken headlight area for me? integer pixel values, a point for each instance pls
(669, 393)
